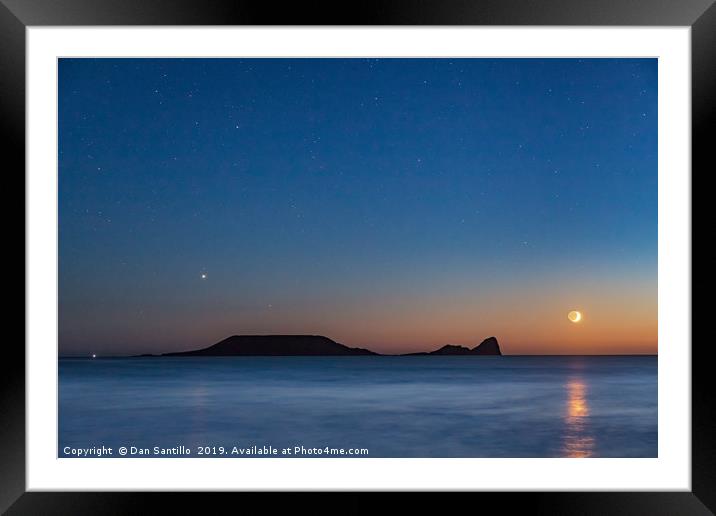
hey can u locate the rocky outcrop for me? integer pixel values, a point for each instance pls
(489, 346)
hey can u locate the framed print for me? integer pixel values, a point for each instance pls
(443, 247)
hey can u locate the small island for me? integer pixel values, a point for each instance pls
(314, 345)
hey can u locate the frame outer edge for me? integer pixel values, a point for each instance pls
(703, 120)
(12, 123)
(359, 12)
(12, 377)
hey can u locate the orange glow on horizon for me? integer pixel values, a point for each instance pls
(526, 320)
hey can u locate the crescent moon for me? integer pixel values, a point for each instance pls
(574, 316)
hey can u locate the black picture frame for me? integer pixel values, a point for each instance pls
(17, 15)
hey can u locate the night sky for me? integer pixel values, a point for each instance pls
(393, 204)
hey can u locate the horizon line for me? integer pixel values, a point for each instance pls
(148, 355)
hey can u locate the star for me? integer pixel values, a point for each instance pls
(203, 275)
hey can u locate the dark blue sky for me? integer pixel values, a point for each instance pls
(395, 204)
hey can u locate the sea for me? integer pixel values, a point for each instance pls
(358, 407)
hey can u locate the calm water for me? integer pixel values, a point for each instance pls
(393, 406)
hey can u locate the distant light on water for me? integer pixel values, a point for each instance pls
(577, 441)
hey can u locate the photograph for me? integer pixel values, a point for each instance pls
(357, 257)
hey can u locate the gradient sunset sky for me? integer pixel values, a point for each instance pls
(392, 204)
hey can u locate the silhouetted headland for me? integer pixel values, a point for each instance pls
(312, 345)
(489, 346)
(275, 345)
